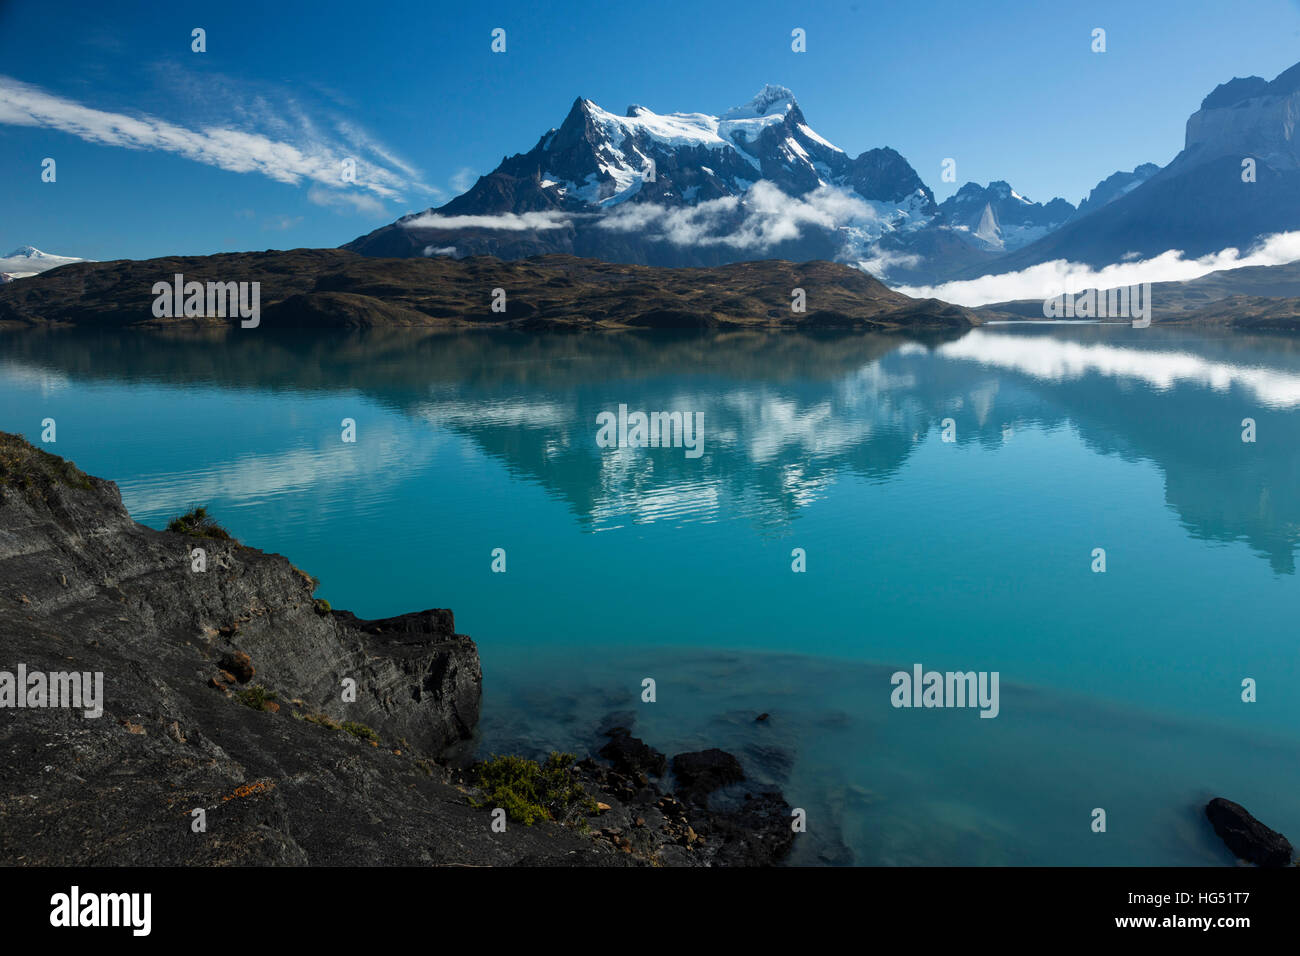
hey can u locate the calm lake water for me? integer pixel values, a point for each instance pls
(1120, 690)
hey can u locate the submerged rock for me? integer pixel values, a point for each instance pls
(1246, 837)
(701, 772)
(631, 755)
(617, 722)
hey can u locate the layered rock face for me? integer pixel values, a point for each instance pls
(303, 777)
(77, 564)
(1248, 117)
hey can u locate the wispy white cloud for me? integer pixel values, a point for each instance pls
(348, 199)
(882, 260)
(363, 142)
(1053, 278)
(509, 222)
(282, 223)
(293, 150)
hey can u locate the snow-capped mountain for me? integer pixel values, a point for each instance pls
(676, 189)
(997, 218)
(28, 260)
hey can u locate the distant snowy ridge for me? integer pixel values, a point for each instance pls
(997, 218)
(28, 261)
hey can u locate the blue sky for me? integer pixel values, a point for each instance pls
(1011, 90)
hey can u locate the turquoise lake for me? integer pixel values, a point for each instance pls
(1119, 690)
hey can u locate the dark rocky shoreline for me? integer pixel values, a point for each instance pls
(223, 693)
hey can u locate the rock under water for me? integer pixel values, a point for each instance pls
(1246, 837)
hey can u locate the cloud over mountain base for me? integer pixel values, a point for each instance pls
(1053, 278)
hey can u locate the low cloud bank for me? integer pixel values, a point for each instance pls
(764, 217)
(1052, 278)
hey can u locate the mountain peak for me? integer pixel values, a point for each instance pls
(1240, 89)
(28, 260)
(1234, 91)
(771, 100)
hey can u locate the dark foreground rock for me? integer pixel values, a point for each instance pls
(702, 772)
(304, 735)
(631, 755)
(738, 826)
(1246, 837)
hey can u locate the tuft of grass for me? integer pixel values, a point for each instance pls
(311, 581)
(360, 730)
(323, 720)
(530, 791)
(33, 470)
(322, 607)
(355, 728)
(255, 696)
(197, 523)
